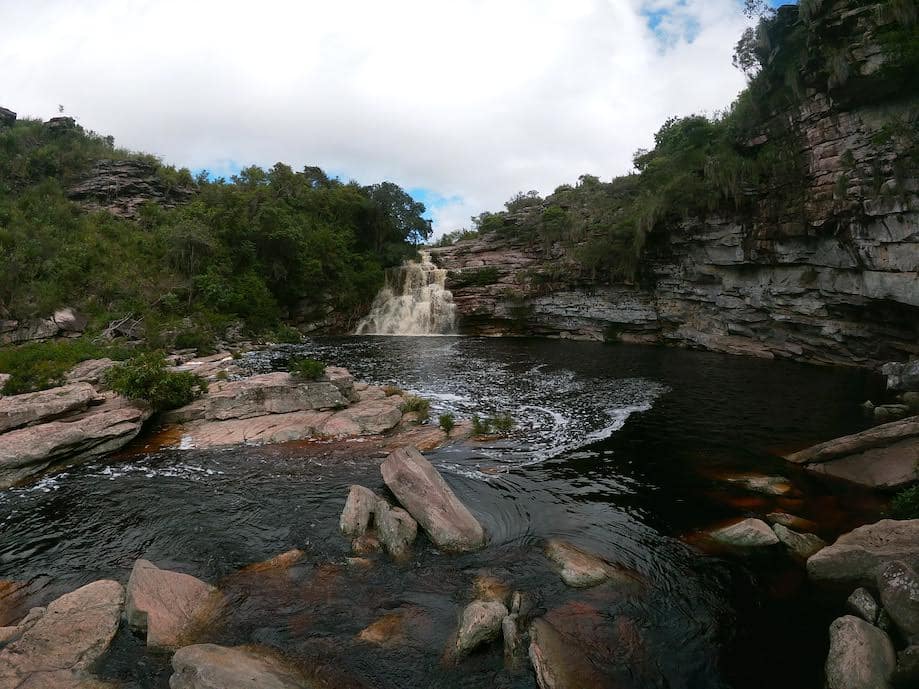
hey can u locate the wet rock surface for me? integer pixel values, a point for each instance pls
(209, 666)
(855, 556)
(746, 533)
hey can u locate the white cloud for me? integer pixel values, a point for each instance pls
(474, 99)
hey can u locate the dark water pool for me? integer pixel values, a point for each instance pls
(621, 450)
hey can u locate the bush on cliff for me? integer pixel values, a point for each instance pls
(146, 378)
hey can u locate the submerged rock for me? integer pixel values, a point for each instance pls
(164, 605)
(558, 663)
(861, 656)
(747, 533)
(855, 556)
(208, 666)
(803, 545)
(791, 521)
(481, 622)
(58, 644)
(768, 485)
(581, 569)
(427, 497)
(358, 512)
(898, 586)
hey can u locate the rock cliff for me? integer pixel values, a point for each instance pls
(121, 187)
(825, 273)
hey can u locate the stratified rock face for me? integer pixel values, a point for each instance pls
(270, 393)
(121, 187)
(62, 641)
(163, 605)
(855, 556)
(885, 456)
(7, 117)
(832, 281)
(28, 451)
(64, 322)
(861, 656)
(36, 407)
(208, 666)
(428, 498)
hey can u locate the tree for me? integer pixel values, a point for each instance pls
(402, 215)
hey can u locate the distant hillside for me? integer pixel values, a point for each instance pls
(114, 233)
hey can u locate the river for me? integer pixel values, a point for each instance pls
(621, 450)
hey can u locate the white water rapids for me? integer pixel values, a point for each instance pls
(414, 301)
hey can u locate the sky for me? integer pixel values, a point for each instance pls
(461, 102)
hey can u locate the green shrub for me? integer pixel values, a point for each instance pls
(198, 339)
(391, 390)
(42, 365)
(905, 504)
(447, 422)
(416, 404)
(146, 378)
(503, 423)
(286, 334)
(307, 369)
(480, 426)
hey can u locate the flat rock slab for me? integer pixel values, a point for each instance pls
(208, 666)
(266, 429)
(861, 656)
(35, 407)
(30, 450)
(270, 393)
(427, 497)
(854, 557)
(879, 436)
(747, 533)
(68, 636)
(164, 605)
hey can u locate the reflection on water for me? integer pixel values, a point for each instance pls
(617, 449)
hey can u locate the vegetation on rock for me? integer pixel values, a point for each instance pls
(146, 378)
(447, 422)
(418, 405)
(307, 369)
(41, 365)
(905, 504)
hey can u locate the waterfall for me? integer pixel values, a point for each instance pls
(413, 301)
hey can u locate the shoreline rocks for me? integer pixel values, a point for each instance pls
(860, 657)
(746, 533)
(209, 666)
(855, 556)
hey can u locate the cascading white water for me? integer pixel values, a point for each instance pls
(414, 301)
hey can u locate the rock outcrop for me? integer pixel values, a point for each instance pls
(121, 187)
(7, 117)
(64, 322)
(855, 556)
(885, 456)
(831, 278)
(422, 491)
(45, 405)
(55, 646)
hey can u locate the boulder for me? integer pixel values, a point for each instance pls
(791, 521)
(367, 417)
(579, 568)
(69, 322)
(747, 533)
(358, 512)
(208, 666)
(898, 586)
(342, 379)
(271, 393)
(396, 529)
(882, 457)
(480, 623)
(803, 545)
(427, 497)
(862, 604)
(65, 639)
(35, 407)
(162, 604)
(28, 451)
(558, 663)
(854, 557)
(861, 656)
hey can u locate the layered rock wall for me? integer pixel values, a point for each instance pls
(832, 279)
